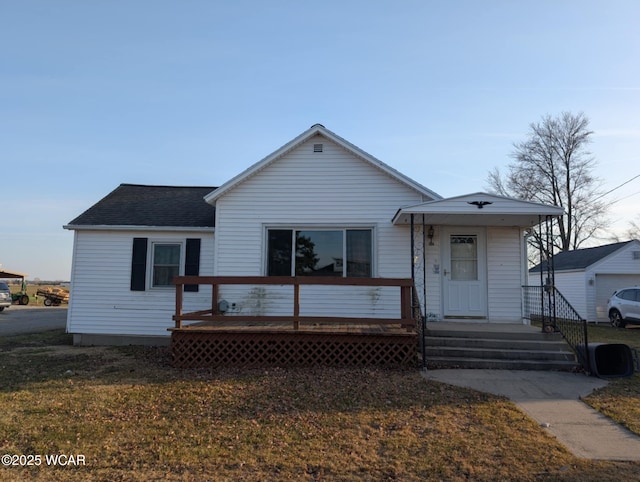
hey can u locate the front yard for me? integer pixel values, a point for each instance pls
(130, 416)
(620, 400)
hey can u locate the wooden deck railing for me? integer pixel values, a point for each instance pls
(212, 315)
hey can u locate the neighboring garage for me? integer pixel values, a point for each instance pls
(606, 284)
(588, 277)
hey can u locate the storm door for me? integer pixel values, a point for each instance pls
(464, 274)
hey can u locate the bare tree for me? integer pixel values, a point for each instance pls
(633, 232)
(553, 166)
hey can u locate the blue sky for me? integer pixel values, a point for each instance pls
(96, 93)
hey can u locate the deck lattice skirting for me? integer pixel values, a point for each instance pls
(258, 343)
(269, 349)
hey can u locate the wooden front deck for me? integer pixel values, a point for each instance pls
(215, 339)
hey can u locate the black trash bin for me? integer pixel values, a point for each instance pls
(610, 360)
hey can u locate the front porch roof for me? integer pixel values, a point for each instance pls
(477, 209)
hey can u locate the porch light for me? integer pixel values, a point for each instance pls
(430, 233)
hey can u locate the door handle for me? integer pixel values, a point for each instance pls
(445, 272)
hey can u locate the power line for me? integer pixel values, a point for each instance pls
(617, 187)
(617, 200)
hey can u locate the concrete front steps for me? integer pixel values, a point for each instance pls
(496, 346)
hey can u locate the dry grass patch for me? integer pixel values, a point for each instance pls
(620, 399)
(135, 418)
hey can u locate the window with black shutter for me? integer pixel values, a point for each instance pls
(192, 261)
(139, 264)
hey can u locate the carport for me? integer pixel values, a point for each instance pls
(22, 297)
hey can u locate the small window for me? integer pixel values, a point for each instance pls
(154, 264)
(166, 263)
(635, 255)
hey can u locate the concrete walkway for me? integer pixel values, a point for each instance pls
(553, 400)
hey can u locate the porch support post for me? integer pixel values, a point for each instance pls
(413, 251)
(423, 315)
(178, 319)
(424, 267)
(214, 299)
(542, 258)
(296, 305)
(552, 271)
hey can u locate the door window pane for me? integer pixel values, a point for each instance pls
(464, 258)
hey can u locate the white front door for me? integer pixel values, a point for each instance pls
(464, 276)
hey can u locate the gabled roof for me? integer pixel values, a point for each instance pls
(146, 206)
(316, 130)
(581, 258)
(478, 209)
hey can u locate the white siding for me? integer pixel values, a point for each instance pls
(101, 301)
(572, 285)
(620, 262)
(504, 274)
(318, 190)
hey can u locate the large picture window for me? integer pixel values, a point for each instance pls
(319, 252)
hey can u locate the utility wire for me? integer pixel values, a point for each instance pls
(617, 187)
(617, 200)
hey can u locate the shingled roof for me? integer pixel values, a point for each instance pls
(140, 205)
(580, 258)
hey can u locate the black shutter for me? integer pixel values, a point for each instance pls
(139, 264)
(192, 261)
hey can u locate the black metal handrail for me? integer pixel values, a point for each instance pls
(545, 304)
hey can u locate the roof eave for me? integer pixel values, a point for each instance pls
(105, 227)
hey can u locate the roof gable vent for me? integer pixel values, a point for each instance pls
(317, 147)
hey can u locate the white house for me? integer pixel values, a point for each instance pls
(588, 277)
(316, 206)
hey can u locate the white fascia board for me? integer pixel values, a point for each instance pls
(454, 205)
(315, 130)
(103, 227)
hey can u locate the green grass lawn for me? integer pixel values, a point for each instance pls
(133, 417)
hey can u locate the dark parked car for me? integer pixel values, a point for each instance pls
(624, 307)
(5, 296)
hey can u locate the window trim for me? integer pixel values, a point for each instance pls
(324, 227)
